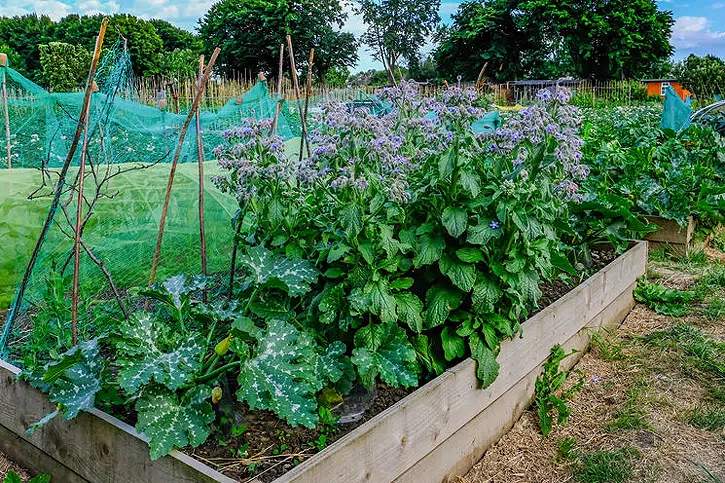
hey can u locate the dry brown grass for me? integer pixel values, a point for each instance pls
(670, 449)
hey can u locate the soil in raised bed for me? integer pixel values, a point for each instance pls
(274, 447)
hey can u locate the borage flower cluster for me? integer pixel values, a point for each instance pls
(252, 155)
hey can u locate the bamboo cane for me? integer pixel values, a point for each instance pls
(175, 162)
(200, 153)
(307, 101)
(297, 87)
(279, 89)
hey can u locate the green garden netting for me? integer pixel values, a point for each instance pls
(130, 148)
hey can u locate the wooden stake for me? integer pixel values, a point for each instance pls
(200, 152)
(307, 101)
(175, 162)
(279, 89)
(297, 87)
(7, 118)
(59, 188)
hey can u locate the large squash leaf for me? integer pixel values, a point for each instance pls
(172, 423)
(71, 382)
(280, 377)
(267, 268)
(142, 359)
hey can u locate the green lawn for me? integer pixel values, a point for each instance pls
(123, 229)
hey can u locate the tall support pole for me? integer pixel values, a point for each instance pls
(279, 89)
(297, 88)
(308, 91)
(12, 313)
(78, 229)
(4, 63)
(200, 152)
(175, 162)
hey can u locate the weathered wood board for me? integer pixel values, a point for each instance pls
(670, 231)
(438, 431)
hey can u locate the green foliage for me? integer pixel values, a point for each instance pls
(397, 28)
(606, 466)
(632, 414)
(269, 269)
(550, 396)
(663, 300)
(172, 422)
(249, 34)
(65, 66)
(13, 477)
(701, 75)
(653, 171)
(181, 63)
(697, 351)
(546, 39)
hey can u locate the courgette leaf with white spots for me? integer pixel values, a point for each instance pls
(141, 357)
(172, 422)
(270, 269)
(71, 382)
(280, 377)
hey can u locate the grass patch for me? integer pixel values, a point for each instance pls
(609, 346)
(714, 309)
(711, 418)
(606, 466)
(632, 414)
(697, 351)
(565, 449)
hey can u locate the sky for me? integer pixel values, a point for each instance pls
(699, 24)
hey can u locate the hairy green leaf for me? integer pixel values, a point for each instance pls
(275, 270)
(280, 377)
(430, 249)
(393, 358)
(486, 365)
(172, 423)
(482, 233)
(141, 358)
(463, 275)
(410, 310)
(455, 220)
(439, 301)
(454, 346)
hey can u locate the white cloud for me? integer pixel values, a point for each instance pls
(718, 5)
(52, 8)
(696, 33)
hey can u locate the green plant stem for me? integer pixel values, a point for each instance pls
(212, 375)
(210, 363)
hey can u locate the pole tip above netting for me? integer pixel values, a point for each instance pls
(3, 60)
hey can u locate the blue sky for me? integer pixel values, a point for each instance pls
(699, 27)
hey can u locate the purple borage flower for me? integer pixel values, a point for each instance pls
(494, 224)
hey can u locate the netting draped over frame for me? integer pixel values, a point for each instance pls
(130, 146)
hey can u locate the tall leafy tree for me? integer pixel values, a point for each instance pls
(144, 43)
(25, 34)
(398, 28)
(602, 39)
(704, 76)
(174, 38)
(65, 66)
(249, 33)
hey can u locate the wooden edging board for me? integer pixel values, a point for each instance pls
(670, 231)
(438, 431)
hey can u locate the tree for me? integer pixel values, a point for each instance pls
(249, 33)
(24, 34)
(181, 63)
(602, 39)
(397, 28)
(174, 38)
(337, 77)
(144, 43)
(65, 66)
(703, 76)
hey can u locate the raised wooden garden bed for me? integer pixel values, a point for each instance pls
(436, 432)
(670, 232)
